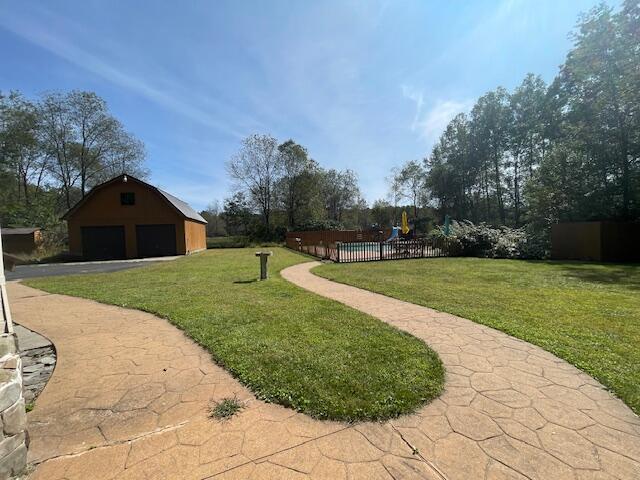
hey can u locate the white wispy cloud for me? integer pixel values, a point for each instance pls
(364, 85)
(417, 97)
(429, 123)
(437, 117)
(34, 32)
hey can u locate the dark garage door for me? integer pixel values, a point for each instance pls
(156, 240)
(103, 243)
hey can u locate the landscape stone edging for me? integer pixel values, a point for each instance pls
(39, 358)
(14, 439)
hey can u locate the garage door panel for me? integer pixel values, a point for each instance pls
(156, 240)
(103, 242)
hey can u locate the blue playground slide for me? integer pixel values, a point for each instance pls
(394, 234)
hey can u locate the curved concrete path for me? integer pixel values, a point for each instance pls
(130, 393)
(129, 399)
(510, 410)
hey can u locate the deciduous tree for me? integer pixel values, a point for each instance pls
(255, 171)
(298, 186)
(410, 181)
(85, 142)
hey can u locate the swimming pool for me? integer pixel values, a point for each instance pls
(359, 246)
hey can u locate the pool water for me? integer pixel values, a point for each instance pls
(359, 246)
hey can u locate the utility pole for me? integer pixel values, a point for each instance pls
(7, 322)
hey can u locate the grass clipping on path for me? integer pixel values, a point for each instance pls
(288, 345)
(585, 313)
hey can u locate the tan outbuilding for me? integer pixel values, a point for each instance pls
(21, 240)
(128, 218)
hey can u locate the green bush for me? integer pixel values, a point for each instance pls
(259, 233)
(486, 241)
(238, 242)
(228, 242)
(313, 225)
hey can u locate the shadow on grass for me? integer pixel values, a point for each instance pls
(242, 282)
(623, 275)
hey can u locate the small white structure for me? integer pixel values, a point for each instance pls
(6, 312)
(13, 437)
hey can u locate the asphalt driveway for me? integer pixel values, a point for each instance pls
(53, 269)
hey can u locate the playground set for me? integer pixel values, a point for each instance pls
(346, 246)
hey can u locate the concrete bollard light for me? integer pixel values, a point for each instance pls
(263, 263)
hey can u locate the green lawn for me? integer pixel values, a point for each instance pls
(288, 345)
(588, 314)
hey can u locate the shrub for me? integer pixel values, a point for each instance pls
(482, 240)
(238, 242)
(313, 225)
(259, 233)
(537, 244)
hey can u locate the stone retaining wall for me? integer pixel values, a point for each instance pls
(13, 419)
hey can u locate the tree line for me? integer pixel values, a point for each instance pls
(531, 157)
(540, 154)
(54, 149)
(278, 187)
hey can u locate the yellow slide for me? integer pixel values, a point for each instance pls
(405, 223)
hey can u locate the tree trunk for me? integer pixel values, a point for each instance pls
(516, 194)
(291, 213)
(496, 167)
(486, 193)
(25, 187)
(67, 195)
(625, 180)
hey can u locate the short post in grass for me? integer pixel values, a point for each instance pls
(263, 263)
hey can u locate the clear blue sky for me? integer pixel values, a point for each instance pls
(364, 85)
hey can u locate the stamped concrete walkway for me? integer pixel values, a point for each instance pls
(129, 399)
(130, 394)
(510, 409)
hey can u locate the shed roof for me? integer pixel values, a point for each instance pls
(183, 207)
(180, 206)
(19, 231)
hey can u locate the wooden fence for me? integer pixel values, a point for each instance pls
(596, 241)
(330, 237)
(369, 251)
(320, 251)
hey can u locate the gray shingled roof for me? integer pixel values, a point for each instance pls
(183, 207)
(19, 231)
